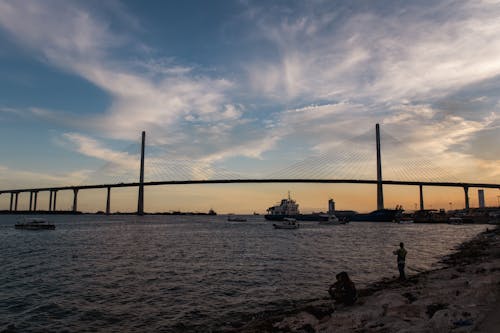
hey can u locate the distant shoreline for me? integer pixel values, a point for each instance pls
(70, 212)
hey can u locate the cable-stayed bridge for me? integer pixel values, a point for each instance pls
(355, 164)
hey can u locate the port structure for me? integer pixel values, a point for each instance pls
(379, 182)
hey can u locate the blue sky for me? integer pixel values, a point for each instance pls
(248, 86)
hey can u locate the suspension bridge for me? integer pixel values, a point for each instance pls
(313, 170)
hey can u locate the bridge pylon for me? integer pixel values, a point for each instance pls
(380, 191)
(140, 198)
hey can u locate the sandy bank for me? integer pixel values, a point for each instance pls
(461, 297)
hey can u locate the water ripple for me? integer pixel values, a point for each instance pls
(190, 273)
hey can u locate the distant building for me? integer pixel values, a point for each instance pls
(480, 195)
(331, 206)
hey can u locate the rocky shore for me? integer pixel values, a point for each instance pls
(462, 296)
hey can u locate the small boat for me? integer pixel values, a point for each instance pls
(231, 218)
(35, 223)
(331, 220)
(288, 223)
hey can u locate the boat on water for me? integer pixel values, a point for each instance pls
(379, 215)
(333, 220)
(232, 218)
(287, 223)
(288, 208)
(35, 223)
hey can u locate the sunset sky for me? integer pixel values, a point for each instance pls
(247, 89)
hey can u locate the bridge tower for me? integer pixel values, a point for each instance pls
(380, 191)
(140, 199)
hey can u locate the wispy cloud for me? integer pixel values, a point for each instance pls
(15, 178)
(333, 71)
(385, 54)
(92, 148)
(395, 64)
(69, 36)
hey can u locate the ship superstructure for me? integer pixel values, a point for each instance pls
(287, 207)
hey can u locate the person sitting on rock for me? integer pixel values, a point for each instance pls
(343, 291)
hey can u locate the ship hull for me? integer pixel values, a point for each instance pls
(298, 217)
(381, 215)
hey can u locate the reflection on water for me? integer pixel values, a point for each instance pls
(172, 273)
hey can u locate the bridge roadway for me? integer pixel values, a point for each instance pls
(53, 190)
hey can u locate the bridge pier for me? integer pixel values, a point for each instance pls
(50, 201)
(35, 200)
(108, 201)
(421, 187)
(466, 191)
(75, 199)
(11, 200)
(55, 201)
(31, 200)
(15, 201)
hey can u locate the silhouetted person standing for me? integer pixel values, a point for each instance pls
(401, 253)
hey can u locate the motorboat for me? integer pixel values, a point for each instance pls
(332, 220)
(287, 223)
(232, 218)
(35, 223)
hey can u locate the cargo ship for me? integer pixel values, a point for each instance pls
(380, 215)
(288, 208)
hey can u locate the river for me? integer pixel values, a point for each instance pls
(191, 273)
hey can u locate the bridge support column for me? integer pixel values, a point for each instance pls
(50, 201)
(75, 199)
(108, 201)
(55, 201)
(466, 191)
(380, 190)
(421, 197)
(140, 199)
(35, 200)
(11, 200)
(16, 200)
(31, 200)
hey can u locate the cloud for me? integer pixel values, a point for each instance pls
(415, 68)
(92, 148)
(317, 73)
(387, 54)
(15, 178)
(70, 36)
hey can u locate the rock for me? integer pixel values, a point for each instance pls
(433, 308)
(411, 298)
(297, 322)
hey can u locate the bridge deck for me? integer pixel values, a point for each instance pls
(248, 181)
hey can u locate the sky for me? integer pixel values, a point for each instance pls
(249, 89)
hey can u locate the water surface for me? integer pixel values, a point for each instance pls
(190, 273)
